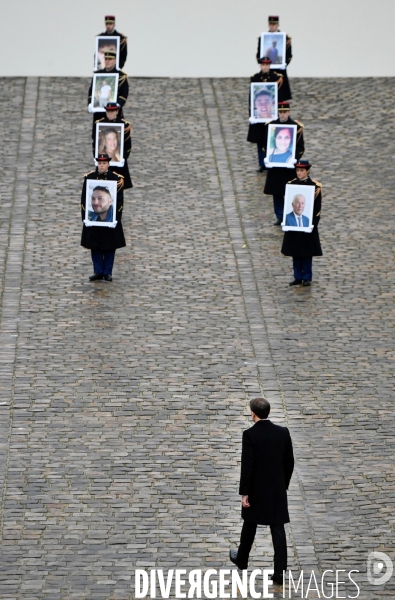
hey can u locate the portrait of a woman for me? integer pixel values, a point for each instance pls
(283, 140)
(109, 143)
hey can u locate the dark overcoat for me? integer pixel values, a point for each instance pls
(103, 238)
(257, 132)
(299, 244)
(123, 46)
(278, 177)
(288, 57)
(267, 464)
(127, 146)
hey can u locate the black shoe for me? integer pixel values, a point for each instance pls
(107, 277)
(277, 222)
(295, 282)
(95, 277)
(261, 169)
(233, 558)
(277, 579)
(306, 283)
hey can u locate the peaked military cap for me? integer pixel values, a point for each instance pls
(103, 158)
(111, 106)
(303, 164)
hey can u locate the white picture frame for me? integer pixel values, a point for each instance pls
(281, 145)
(273, 45)
(107, 135)
(101, 81)
(263, 102)
(104, 43)
(298, 204)
(102, 198)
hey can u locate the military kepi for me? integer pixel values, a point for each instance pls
(265, 60)
(284, 106)
(111, 106)
(274, 19)
(303, 164)
(109, 19)
(103, 158)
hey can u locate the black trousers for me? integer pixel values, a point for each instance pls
(279, 544)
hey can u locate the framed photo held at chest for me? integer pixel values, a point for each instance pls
(104, 90)
(101, 203)
(105, 43)
(263, 102)
(281, 145)
(298, 208)
(109, 140)
(273, 46)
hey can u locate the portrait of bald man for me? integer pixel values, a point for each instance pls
(296, 218)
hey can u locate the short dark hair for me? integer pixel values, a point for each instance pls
(260, 407)
(263, 93)
(101, 188)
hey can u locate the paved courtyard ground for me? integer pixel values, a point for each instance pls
(122, 405)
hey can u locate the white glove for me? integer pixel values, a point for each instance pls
(294, 161)
(268, 164)
(88, 223)
(291, 165)
(90, 108)
(122, 161)
(113, 225)
(252, 120)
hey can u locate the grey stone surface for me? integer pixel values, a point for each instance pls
(123, 404)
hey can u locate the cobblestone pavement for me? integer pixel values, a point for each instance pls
(122, 405)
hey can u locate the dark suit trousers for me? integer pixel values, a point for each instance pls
(279, 544)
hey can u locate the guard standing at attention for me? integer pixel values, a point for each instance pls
(274, 22)
(123, 41)
(278, 177)
(113, 117)
(103, 241)
(110, 59)
(257, 132)
(302, 246)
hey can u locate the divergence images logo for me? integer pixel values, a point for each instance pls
(380, 568)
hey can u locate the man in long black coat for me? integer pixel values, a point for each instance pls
(267, 464)
(257, 132)
(298, 244)
(112, 32)
(278, 177)
(274, 23)
(103, 241)
(112, 116)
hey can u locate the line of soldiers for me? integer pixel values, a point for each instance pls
(301, 246)
(103, 241)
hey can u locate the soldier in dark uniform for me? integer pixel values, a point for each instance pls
(257, 132)
(123, 84)
(112, 117)
(298, 244)
(273, 28)
(103, 241)
(123, 42)
(278, 177)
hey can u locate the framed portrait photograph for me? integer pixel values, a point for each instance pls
(105, 43)
(298, 208)
(104, 89)
(281, 145)
(109, 140)
(263, 102)
(101, 202)
(273, 46)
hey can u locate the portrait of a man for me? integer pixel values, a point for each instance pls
(105, 44)
(105, 89)
(263, 102)
(298, 208)
(101, 199)
(296, 218)
(273, 46)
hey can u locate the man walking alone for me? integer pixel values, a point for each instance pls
(267, 464)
